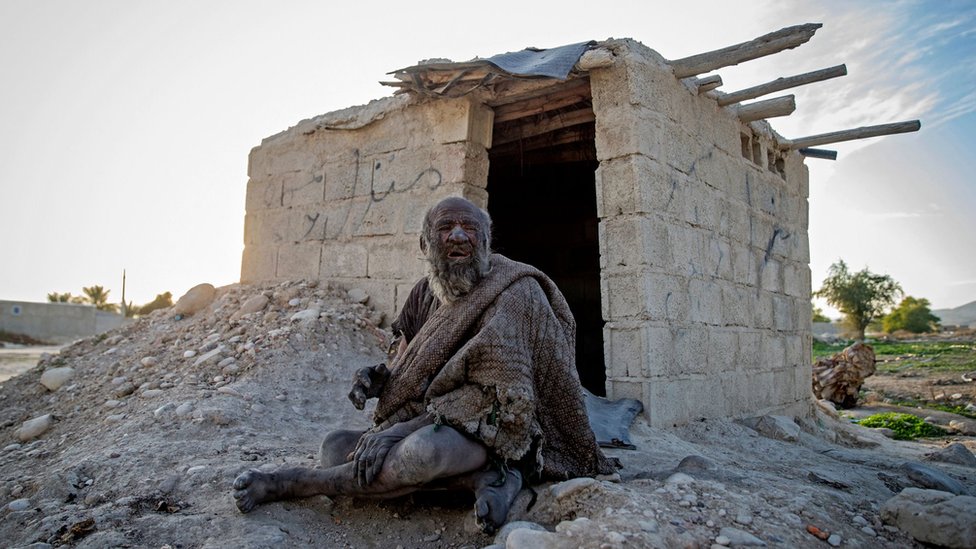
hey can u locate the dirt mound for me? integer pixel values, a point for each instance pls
(148, 425)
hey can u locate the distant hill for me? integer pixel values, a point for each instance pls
(963, 315)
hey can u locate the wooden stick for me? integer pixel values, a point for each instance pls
(550, 101)
(768, 44)
(782, 84)
(819, 153)
(708, 83)
(779, 106)
(849, 135)
(581, 116)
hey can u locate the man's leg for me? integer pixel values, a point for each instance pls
(425, 455)
(337, 446)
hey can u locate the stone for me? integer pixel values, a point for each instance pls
(209, 355)
(777, 427)
(967, 428)
(189, 354)
(307, 314)
(523, 538)
(723, 540)
(743, 518)
(194, 300)
(253, 305)
(226, 362)
(508, 528)
(149, 361)
(680, 479)
(357, 295)
(954, 453)
(21, 504)
(931, 478)
(932, 516)
(33, 428)
(164, 409)
(834, 540)
(151, 393)
(569, 487)
(53, 378)
(184, 409)
(738, 537)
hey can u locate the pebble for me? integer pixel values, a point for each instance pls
(229, 391)
(112, 404)
(738, 537)
(196, 469)
(54, 378)
(149, 361)
(12, 447)
(226, 362)
(869, 531)
(648, 525)
(189, 354)
(743, 518)
(834, 540)
(679, 479)
(307, 314)
(294, 302)
(152, 393)
(357, 295)
(164, 409)
(184, 409)
(231, 369)
(33, 428)
(859, 520)
(119, 380)
(115, 418)
(567, 488)
(19, 504)
(723, 540)
(209, 355)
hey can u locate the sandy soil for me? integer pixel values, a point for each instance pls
(147, 440)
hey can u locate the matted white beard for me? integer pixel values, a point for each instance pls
(450, 281)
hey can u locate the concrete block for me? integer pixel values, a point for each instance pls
(794, 350)
(389, 258)
(784, 317)
(762, 310)
(690, 350)
(705, 302)
(459, 120)
(736, 305)
(302, 188)
(659, 355)
(685, 247)
(616, 187)
(263, 193)
(717, 257)
(634, 240)
(299, 261)
(743, 264)
(378, 218)
(461, 163)
(258, 263)
(773, 351)
(266, 227)
(625, 389)
(723, 350)
(625, 355)
(307, 223)
(622, 130)
(340, 259)
(340, 178)
(700, 397)
(644, 294)
(750, 356)
(770, 275)
(803, 314)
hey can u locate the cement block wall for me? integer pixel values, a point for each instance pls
(347, 204)
(704, 251)
(55, 322)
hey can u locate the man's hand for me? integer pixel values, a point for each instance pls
(371, 451)
(367, 383)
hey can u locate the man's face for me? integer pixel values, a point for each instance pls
(455, 241)
(458, 232)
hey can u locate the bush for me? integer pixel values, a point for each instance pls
(905, 426)
(912, 315)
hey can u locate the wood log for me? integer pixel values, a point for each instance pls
(819, 153)
(850, 135)
(524, 131)
(768, 44)
(708, 83)
(578, 92)
(770, 108)
(596, 58)
(781, 84)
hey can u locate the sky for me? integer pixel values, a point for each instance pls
(125, 125)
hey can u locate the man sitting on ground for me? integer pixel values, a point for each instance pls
(482, 395)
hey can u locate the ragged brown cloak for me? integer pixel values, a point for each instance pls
(499, 364)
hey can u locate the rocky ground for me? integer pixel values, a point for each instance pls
(132, 439)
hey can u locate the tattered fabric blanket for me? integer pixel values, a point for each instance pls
(499, 364)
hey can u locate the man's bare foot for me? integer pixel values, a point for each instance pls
(253, 487)
(493, 502)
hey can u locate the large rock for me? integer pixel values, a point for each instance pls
(954, 453)
(931, 516)
(778, 427)
(33, 428)
(932, 478)
(195, 299)
(253, 305)
(54, 378)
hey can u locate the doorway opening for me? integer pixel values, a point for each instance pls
(542, 200)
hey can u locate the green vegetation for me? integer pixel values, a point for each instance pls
(819, 316)
(905, 426)
(898, 356)
(862, 296)
(913, 315)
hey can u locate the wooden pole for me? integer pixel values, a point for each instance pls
(849, 135)
(768, 44)
(708, 83)
(819, 153)
(770, 108)
(781, 84)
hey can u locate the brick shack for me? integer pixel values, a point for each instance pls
(670, 214)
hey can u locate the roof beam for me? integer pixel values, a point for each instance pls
(849, 135)
(770, 108)
(781, 84)
(767, 44)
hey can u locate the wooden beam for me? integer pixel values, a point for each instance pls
(708, 83)
(557, 99)
(768, 44)
(849, 135)
(770, 108)
(781, 84)
(548, 124)
(819, 153)
(565, 136)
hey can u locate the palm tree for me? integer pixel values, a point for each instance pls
(98, 296)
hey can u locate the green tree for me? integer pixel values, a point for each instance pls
(912, 314)
(55, 297)
(862, 296)
(819, 316)
(98, 296)
(162, 301)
